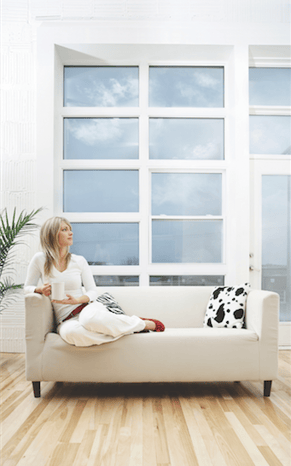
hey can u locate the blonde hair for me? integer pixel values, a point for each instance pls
(50, 243)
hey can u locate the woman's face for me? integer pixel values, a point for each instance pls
(65, 236)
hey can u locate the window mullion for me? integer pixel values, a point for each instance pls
(144, 192)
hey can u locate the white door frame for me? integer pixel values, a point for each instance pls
(258, 168)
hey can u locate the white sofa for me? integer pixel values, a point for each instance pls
(184, 352)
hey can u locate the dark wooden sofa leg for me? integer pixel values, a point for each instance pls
(36, 389)
(267, 387)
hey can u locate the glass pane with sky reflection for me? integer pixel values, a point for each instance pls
(186, 280)
(177, 241)
(116, 280)
(107, 243)
(186, 86)
(186, 194)
(270, 135)
(270, 86)
(101, 191)
(101, 86)
(101, 138)
(276, 239)
(187, 138)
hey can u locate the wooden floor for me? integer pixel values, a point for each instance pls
(144, 425)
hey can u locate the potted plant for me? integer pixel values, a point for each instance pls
(10, 236)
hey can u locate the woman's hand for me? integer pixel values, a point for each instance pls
(69, 300)
(44, 289)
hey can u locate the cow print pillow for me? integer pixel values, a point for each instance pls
(227, 306)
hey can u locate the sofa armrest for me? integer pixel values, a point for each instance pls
(39, 321)
(39, 318)
(262, 316)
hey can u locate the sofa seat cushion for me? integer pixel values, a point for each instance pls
(176, 355)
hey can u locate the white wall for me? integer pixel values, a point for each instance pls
(230, 22)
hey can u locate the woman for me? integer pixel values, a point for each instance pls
(81, 321)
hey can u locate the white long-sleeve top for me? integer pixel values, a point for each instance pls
(76, 275)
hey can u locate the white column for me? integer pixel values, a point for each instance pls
(238, 183)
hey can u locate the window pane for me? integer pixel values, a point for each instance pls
(186, 87)
(186, 194)
(276, 239)
(186, 138)
(116, 280)
(101, 191)
(107, 243)
(270, 135)
(187, 280)
(101, 138)
(101, 86)
(270, 86)
(186, 241)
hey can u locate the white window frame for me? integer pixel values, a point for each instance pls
(146, 167)
(266, 164)
(234, 167)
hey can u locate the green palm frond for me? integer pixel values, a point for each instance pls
(8, 292)
(10, 236)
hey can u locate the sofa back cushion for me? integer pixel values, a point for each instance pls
(176, 307)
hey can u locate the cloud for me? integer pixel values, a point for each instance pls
(269, 134)
(205, 80)
(113, 93)
(92, 131)
(189, 92)
(180, 190)
(208, 151)
(196, 89)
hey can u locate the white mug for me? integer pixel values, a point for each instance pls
(58, 291)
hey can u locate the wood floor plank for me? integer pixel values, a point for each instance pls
(18, 417)
(283, 383)
(96, 447)
(269, 456)
(77, 412)
(233, 407)
(199, 446)
(263, 412)
(149, 451)
(85, 448)
(64, 454)
(19, 437)
(107, 452)
(278, 418)
(273, 443)
(161, 441)
(248, 443)
(229, 443)
(86, 420)
(136, 450)
(124, 444)
(42, 411)
(285, 355)
(43, 433)
(285, 368)
(185, 436)
(8, 405)
(207, 434)
(283, 406)
(9, 364)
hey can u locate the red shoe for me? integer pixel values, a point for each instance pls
(159, 326)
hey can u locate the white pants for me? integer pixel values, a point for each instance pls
(96, 325)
